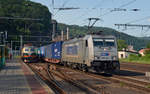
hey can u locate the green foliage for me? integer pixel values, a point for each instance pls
(76, 31)
(137, 59)
(147, 52)
(24, 9)
(122, 84)
(121, 44)
(148, 86)
(133, 57)
(148, 45)
(29, 9)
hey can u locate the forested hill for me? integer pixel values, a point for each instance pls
(27, 9)
(76, 30)
(22, 9)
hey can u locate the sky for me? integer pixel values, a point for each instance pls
(102, 9)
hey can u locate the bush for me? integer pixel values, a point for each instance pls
(146, 57)
(133, 57)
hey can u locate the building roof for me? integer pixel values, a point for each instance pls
(128, 51)
(143, 50)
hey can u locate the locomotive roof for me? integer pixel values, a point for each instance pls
(88, 36)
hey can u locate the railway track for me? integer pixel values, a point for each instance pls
(87, 82)
(77, 83)
(126, 81)
(142, 68)
(43, 73)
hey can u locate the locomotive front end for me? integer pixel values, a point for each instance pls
(105, 54)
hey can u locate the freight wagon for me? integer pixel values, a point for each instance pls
(94, 52)
(53, 52)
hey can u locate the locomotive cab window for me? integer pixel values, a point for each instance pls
(109, 42)
(26, 49)
(31, 49)
(98, 42)
(86, 43)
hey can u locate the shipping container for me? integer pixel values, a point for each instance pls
(48, 50)
(56, 50)
(42, 51)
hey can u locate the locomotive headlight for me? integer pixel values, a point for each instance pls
(96, 57)
(114, 57)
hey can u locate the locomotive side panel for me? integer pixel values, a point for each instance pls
(73, 51)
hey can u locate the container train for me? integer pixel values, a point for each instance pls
(96, 52)
(29, 54)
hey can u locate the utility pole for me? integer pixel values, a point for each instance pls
(62, 35)
(11, 47)
(21, 43)
(53, 33)
(67, 33)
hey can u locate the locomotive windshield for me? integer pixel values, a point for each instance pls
(97, 42)
(109, 42)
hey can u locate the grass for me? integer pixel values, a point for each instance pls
(137, 59)
(148, 86)
(122, 84)
(17, 56)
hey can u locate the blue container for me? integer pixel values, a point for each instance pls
(56, 49)
(48, 51)
(42, 51)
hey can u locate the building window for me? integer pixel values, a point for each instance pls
(121, 55)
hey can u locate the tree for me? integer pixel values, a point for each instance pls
(147, 52)
(24, 9)
(121, 44)
(148, 45)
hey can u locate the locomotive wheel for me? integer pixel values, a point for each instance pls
(65, 64)
(84, 68)
(117, 68)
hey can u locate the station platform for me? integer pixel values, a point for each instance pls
(17, 78)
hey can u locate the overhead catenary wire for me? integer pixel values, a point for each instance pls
(124, 5)
(137, 20)
(63, 6)
(87, 11)
(106, 13)
(20, 18)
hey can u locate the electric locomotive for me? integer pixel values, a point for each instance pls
(29, 54)
(97, 52)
